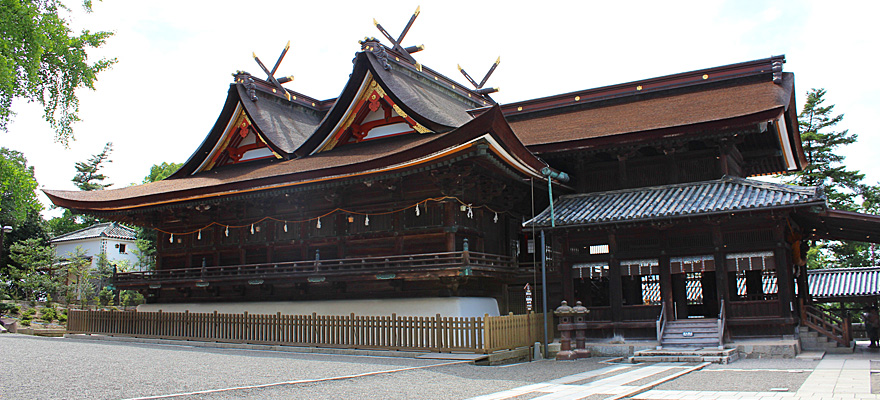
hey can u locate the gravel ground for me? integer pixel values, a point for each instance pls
(58, 368)
(740, 381)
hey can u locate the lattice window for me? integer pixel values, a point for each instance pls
(651, 289)
(752, 261)
(700, 263)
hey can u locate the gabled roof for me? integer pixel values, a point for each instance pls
(487, 134)
(840, 283)
(715, 99)
(297, 125)
(110, 230)
(728, 194)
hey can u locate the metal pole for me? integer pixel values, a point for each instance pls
(544, 294)
(550, 193)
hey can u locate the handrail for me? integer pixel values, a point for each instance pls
(481, 261)
(722, 325)
(828, 325)
(661, 325)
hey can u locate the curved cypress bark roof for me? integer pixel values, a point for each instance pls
(399, 153)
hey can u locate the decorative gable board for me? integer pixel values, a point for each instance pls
(373, 115)
(241, 142)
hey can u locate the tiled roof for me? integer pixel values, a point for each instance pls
(103, 230)
(727, 194)
(844, 282)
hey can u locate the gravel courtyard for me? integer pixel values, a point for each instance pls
(62, 368)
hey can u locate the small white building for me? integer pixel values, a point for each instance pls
(115, 241)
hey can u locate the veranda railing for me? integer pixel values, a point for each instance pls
(437, 334)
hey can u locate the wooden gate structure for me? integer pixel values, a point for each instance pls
(436, 334)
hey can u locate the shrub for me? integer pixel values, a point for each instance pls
(25, 322)
(48, 314)
(8, 308)
(27, 313)
(62, 318)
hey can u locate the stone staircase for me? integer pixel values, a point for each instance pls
(685, 354)
(688, 340)
(813, 341)
(691, 333)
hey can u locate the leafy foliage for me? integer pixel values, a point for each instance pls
(35, 278)
(820, 144)
(87, 176)
(43, 61)
(81, 275)
(161, 171)
(844, 187)
(17, 188)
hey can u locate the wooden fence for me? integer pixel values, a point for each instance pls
(437, 334)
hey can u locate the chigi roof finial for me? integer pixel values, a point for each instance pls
(405, 52)
(479, 86)
(271, 74)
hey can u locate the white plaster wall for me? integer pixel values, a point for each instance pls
(415, 307)
(92, 248)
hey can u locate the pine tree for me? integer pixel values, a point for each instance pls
(87, 176)
(825, 165)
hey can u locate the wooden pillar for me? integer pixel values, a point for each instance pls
(666, 285)
(721, 274)
(621, 165)
(615, 285)
(784, 264)
(449, 224)
(665, 270)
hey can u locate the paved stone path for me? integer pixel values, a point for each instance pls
(836, 377)
(620, 383)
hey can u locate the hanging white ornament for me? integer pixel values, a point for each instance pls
(470, 212)
(252, 229)
(171, 239)
(496, 218)
(367, 221)
(417, 209)
(200, 234)
(318, 225)
(227, 230)
(285, 226)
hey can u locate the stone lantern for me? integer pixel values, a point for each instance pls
(580, 329)
(565, 314)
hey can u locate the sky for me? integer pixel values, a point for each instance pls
(175, 61)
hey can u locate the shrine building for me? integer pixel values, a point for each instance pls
(416, 194)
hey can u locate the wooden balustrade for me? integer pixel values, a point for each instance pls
(401, 263)
(826, 324)
(438, 334)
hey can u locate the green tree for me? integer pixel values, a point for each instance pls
(821, 144)
(43, 61)
(146, 238)
(69, 222)
(161, 171)
(35, 278)
(17, 188)
(88, 176)
(81, 275)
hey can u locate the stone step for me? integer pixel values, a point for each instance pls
(702, 351)
(680, 329)
(692, 323)
(686, 358)
(694, 336)
(691, 342)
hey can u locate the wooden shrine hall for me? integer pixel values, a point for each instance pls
(413, 193)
